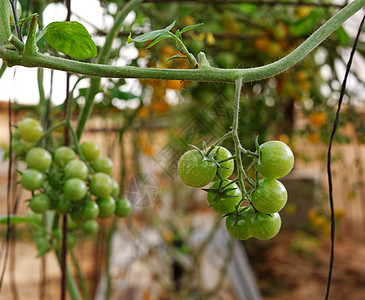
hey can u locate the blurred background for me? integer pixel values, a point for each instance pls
(173, 246)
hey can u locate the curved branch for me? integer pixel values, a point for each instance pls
(202, 74)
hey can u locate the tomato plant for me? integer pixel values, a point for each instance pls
(72, 176)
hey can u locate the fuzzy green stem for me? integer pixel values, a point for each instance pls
(224, 137)
(201, 74)
(30, 45)
(192, 60)
(53, 128)
(16, 42)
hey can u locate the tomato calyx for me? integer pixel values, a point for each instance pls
(220, 192)
(208, 156)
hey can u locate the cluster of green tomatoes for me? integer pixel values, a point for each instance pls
(67, 183)
(266, 197)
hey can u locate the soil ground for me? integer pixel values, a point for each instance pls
(294, 265)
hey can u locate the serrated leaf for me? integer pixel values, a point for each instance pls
(175, 56)
(190, 27)
(21, 21)
(159, 39)
(216, 198)
(116, 93)
(151, 35)
(13, 219)
(305, 26)
(70, 38)
(213, 191)
(342, 36)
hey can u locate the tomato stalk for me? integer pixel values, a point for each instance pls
(205, 73)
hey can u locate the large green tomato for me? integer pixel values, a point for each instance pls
(265, 227)
(40, 203)
(227, 166)
(39, 159)
(269, 197)
(276, 159)
(74, 189)
(90, 150)
(91, 227)
(76, 169)
(239, 227)
(101, 185)
(89, 211)
(194, 171)
(106, 207)
(30, 130)
(32, 179)
(103, 164)
(63, 155)
(225, 205)
(123, 208)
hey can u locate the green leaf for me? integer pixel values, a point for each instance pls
(185, 29)
(70, 38)
(342, 36)
(151, 35)
(116, 93)
(175, 56)
(21, 21)
(159, 39)
(13, 219)
(306, 25)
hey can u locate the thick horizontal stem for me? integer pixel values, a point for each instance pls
(204, 74)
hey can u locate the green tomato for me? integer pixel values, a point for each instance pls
(39, 159)
(101, 185)
(63, 155)
(269, 197)
(116, 189)
(74, 189)
(276, 159)
(30, 130)
(265, 227)
(55, 179)
(123, 208)
(194, 171)
(103, 164)
(227, 166)
(40, 203)
(76, 169)
(90, 227)
(225, 205)
(239, 226)
(32, 179)
(106, 207)
(90, 150)
(62, 205)
(89, 211)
